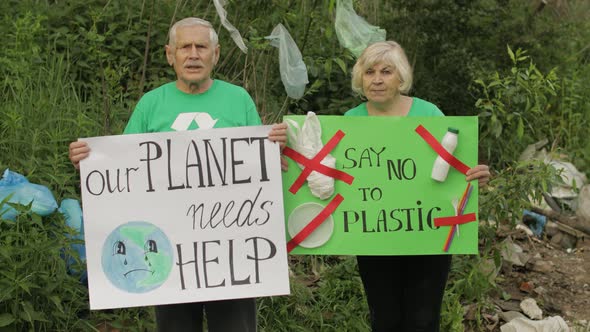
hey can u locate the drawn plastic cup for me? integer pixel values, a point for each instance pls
(303, 215)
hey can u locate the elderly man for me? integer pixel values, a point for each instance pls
(195, 100)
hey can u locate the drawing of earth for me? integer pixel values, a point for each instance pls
(137, 257)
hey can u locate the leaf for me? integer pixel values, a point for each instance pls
(497, 129)
(520, 129)
(329, 32)
(328, 67)
(29, 314)
(316, 84)
(341, 64)
(25, 283)
(480, 82)
(4, 252)
(36, 219)
(331, 6)
(56, 300)
(6, 319)
(28, 311)
(511, 54)
(494, 83)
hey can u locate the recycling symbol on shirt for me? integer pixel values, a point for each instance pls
(184, 120)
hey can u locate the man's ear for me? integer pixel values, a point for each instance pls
(170, 54)
(217, 52)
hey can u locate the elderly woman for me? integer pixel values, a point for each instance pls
(404, 293)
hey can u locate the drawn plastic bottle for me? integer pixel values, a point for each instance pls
(440, 169)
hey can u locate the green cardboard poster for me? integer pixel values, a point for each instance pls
(391, 202)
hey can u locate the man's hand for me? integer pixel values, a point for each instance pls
(479, 172)
(78, 151)
(278, 134)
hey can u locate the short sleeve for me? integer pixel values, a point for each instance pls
(252, 117)
(424, 108)
(137, 123)
(436, 111)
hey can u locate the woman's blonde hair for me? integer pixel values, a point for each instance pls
(387, 52)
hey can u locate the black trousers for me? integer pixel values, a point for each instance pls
(222, 316)
(404, 293)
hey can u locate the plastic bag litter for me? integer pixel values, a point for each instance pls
(291, 65)
(307, 140)
(72, 212)
(536, 222)
(233, 32)
(550, 324)
(573, 179)
(23, 192)
(353, 32)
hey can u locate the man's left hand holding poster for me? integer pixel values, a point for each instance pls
(183, 217)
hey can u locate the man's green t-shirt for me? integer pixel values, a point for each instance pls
(419, 108)
(168, 109)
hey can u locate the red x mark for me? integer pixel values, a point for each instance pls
(315, 163)
(454, 220)
(461, 167)
(438, 148)
(315, 222)
(311, 165)
(457, 220)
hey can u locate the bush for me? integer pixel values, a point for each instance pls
(37, 293)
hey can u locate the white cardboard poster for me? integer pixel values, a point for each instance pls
(183, 217)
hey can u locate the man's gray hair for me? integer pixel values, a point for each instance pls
(189, 22)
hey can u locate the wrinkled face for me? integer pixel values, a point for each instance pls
(381, 83)
(193, 56)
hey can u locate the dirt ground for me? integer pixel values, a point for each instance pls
(557, 278)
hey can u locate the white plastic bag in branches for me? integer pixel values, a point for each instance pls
(291, 65)
(307, 140)
(353, 32)
(233, 32)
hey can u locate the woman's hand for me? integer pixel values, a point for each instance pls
(479, 172)
(278, 134)
(78, 151)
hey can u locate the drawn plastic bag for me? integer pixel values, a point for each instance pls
(308, 142)
(353, 32)
(291, 65)
(233, 32)
(23, 192)
(72, 212)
